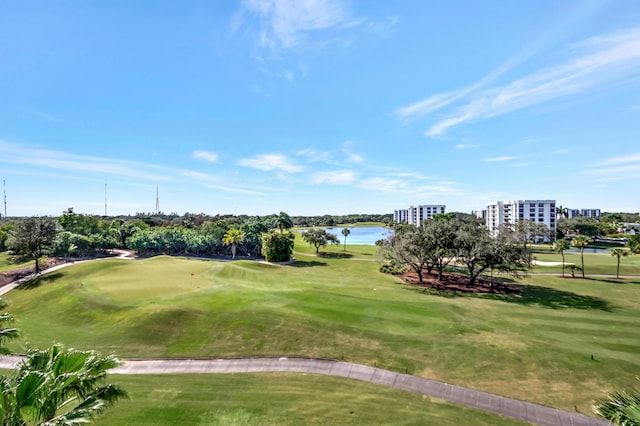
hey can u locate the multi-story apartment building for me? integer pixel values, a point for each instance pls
(512, 211)
(582, 212)
(414, 215)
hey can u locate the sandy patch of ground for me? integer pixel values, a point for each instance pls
(543, 263)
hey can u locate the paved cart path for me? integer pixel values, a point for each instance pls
(508, 407)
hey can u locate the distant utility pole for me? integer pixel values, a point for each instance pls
(4, 186)
(157, 201)
(105, 197)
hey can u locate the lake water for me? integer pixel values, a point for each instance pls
(367, 235)
(588, 250)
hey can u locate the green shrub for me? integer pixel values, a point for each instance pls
(277, 246)
(393, 268)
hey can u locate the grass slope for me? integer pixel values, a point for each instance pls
(8, 263)
(536, 346)
(278, 399)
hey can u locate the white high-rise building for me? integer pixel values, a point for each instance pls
(414, 215)
(512, 211)
(583, 212)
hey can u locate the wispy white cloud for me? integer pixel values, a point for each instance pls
(269, 162)
(48, 162)
(501, 158)
(234, 189)
(467, 146)
(286, 23)
(59, 160)
(352, 157)
(598, 62)
(211, 157)
(313, 155)
(384, 185)
(616, 168)
(355, 158)
(335, 177)
(631, 158)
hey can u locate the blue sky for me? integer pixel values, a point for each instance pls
(318, 107)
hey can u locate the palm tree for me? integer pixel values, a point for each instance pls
(283, 221)
(345, 232)
(621, 408)
(233, 237)
(559, 247)
(581, 241)
(6, 333)
(619, 252)
(58, 386)
(562, 212)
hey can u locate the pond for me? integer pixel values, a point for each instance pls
(589, 250)
(367, 235)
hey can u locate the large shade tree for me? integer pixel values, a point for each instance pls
(478, 251)
(439, 240)
(33, 237)
(318, 237)
(58, 386)
(407, 247)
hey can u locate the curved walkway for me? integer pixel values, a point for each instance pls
(526, 411)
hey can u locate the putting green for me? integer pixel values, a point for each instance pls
(156, 278)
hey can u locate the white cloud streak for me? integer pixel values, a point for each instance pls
(617, 168)
(595, 64)
(34, 160)
(499, 159)
(336, 177)
(286, 22)
(211, 157)
(269, 162)
(631, 158)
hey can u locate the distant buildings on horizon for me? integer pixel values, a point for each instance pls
(414, 215)
(501, 212)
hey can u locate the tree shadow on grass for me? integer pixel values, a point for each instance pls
(329, 255)
(306, 264)
(550, 298)
(38, 281)
(509, 291)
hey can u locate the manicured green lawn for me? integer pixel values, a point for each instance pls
(278, 399)
(7, 262)
(535, 346)
(594, 263)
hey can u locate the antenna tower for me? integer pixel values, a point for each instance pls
(4, 186)
(157, 201)
(105, 197)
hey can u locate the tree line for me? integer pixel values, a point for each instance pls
(78, 235)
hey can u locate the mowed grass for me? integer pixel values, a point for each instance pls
(537, 346)
(278, 399)
(8, 263)
(594, 263)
